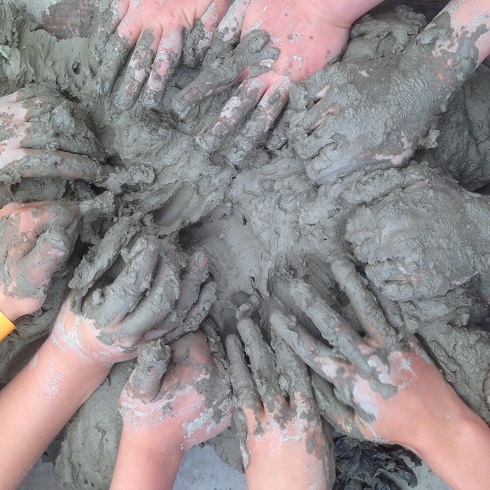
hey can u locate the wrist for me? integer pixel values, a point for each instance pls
(73, 358)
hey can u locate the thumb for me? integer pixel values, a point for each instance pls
(146, 379)
(51, 249)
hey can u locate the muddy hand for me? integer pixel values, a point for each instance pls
(281, 437)
(190, 400)
(416, 240)
(283, 43)
(377, 385)
(44, 135)
(146, 300)
(376, 112)
(154, 30)
(34, 241)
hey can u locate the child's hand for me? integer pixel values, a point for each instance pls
(34, 240)
(44, 135)
(185, 405)
(379, 387)
(146, 300)
(299, 38)
(282, 440)
(155, 30)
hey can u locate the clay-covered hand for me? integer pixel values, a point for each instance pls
(146, 299)
(379, 387)
(375, 112)
(424, 238)
(44, 135)
(154, 28)
(280, 43)
(281, 437)
(35, 239)
(184, 405)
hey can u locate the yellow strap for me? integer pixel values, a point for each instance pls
(6, 326)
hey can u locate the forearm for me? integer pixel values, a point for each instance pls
(460, 451)
(36, 405)
(143, 463)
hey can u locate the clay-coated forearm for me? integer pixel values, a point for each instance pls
(36, 405)
(144, 463)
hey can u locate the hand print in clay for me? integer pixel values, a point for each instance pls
(146, 299)
(35, 240)
(154, 28)
(422, 239)
(44, 135)
(297, 39)
(375, 113)
(282, 440)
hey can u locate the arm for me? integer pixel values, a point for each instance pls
(83, 346)
(163, 418)
(282, 441)
(36, 405)
(391, 391)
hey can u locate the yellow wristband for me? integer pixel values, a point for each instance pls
(6, 326)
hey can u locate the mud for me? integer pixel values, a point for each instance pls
(271, 217)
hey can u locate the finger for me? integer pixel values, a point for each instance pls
(101, 257)
(52, 248)
(242, 382)
(116, 53)
(233, 114)
(195, 316)
(145, 381)
(77, 139)
(107, 23)
(199, 39)
(262, 362)
(291, 368)
(111, 304)
(223, 72)
(364, 303)
(228, 31)
(31, 163)
(256, 128)
(214, 341)
(310, 143)
(332, 326)
(156, 305)
(318, 356)
(166, 59)
(138, 69)
(189, 292)
(339, 415)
